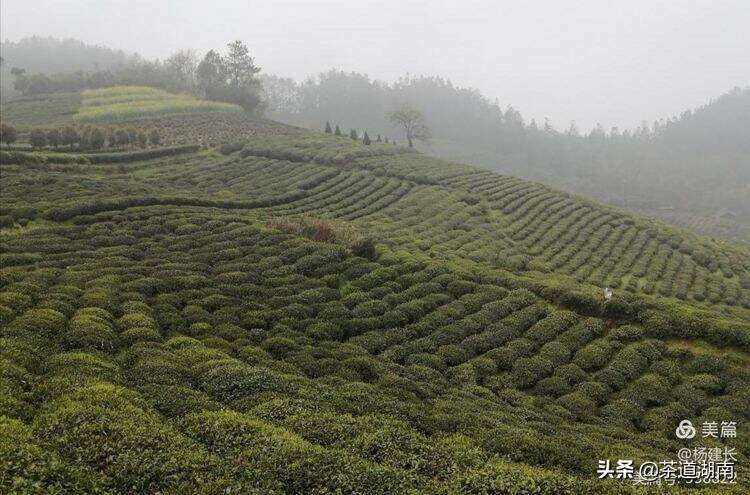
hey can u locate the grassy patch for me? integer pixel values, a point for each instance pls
(134, 102)
(43, 110)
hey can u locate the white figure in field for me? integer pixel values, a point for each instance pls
(607, 293)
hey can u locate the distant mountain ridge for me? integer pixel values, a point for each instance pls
(37, 54)
(52, 55)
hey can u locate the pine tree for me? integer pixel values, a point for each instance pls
(379, 140)
(366, 139)
(386, 140)
(240, 66)
(353, 134)
(337, 131)
(211, 73)
(328, 127)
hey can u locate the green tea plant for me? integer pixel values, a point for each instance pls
(296, 312)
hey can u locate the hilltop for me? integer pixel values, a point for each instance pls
(287, 311)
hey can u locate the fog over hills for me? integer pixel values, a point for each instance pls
(690, 168)
(585, 61)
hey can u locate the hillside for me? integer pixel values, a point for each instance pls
(690, 169)
(483, 216)
(283, 311)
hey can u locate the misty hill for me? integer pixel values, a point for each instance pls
(51, 55)
(692, 169)
(297, 312)
(38, 54)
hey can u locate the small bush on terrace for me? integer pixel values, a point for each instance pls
(322, 230)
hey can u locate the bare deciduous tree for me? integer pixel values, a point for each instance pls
(282, 94)
(182, 65)
(412, 120)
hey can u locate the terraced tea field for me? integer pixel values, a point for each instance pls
(220, 340)
(727, 225)
(41, 110)
(179, 119)
(406, 200)
(160, 334)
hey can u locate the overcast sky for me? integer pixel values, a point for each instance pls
(614, 62)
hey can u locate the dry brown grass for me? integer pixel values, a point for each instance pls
(323, 230)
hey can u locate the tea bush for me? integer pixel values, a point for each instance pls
(157, 336)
